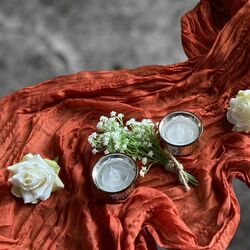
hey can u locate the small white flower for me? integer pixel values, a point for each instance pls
(105, 141)
(103, 118)
(106, 152)
(120, 115)
(131, 122)
(107, 135)
(150, 153)
(90, 139)
(99, 125)
(150, 145)
(115, 136)
(146, 122)
(117, 124)
(94, 135)
(143, 171)
(124, 147)
(144, 160)
(94, 151)
(113, 113)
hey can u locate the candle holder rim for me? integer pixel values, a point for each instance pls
(122, 190)
(187, 113)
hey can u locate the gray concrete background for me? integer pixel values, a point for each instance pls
(40, 39)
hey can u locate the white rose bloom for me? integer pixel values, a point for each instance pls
(239, 111)
(34, 178)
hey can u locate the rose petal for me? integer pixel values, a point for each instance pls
(35, 201)
(245, 128)
(46, 193)
(229, 117)
(28, 196)
(13, 168)
(57, 184)
(18, 167)
(40, 190)
(53, 165)
(14, 180)
(38, 159)
(28, 157)
(16, 191)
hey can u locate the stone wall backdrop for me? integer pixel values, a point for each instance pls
(40, 39)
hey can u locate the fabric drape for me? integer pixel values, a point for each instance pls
(55, 117)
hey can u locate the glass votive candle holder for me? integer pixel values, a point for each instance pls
(114, 175)
(180, 130)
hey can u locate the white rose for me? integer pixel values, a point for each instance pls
(34, 178)
(239, 111)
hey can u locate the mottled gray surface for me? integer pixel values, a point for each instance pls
(42, 39)
(46, 38)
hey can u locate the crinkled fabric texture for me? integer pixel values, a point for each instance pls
(54, 118)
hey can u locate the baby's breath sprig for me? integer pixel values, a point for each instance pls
(138, 140)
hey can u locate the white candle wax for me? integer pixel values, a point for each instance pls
(115, 174)
(180, 130)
